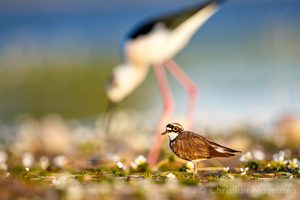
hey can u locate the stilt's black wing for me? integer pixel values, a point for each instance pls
(170, 21)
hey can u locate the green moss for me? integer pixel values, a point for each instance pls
(171, 158)
(141, 168)
(188, 181)
(147, 174)
(118, 172)
(252, 165)
(183, 168)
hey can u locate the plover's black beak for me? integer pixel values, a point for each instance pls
(108, 113)
(164, 133)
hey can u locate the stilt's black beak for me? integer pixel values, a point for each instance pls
(164, 133)
(108, 114)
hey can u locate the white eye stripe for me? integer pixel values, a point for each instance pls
(169, 129)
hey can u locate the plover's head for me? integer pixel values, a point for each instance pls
(125, 78)
(173, 130)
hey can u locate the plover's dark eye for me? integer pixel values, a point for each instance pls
(175, 128)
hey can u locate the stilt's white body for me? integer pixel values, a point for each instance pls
(162, 44)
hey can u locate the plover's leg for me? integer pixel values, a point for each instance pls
(188, 85)
(168, 106)
(195, 169)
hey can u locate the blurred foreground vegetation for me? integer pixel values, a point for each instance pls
(54, 158)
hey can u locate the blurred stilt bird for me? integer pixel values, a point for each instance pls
(154, 43)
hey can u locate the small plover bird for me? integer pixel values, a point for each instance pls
(193, 147)
(154, 43)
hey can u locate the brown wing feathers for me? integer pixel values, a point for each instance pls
(191, 146)
(221, 148)
(214, 153)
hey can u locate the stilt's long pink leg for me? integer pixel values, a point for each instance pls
(188, 85)
(168, 106)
